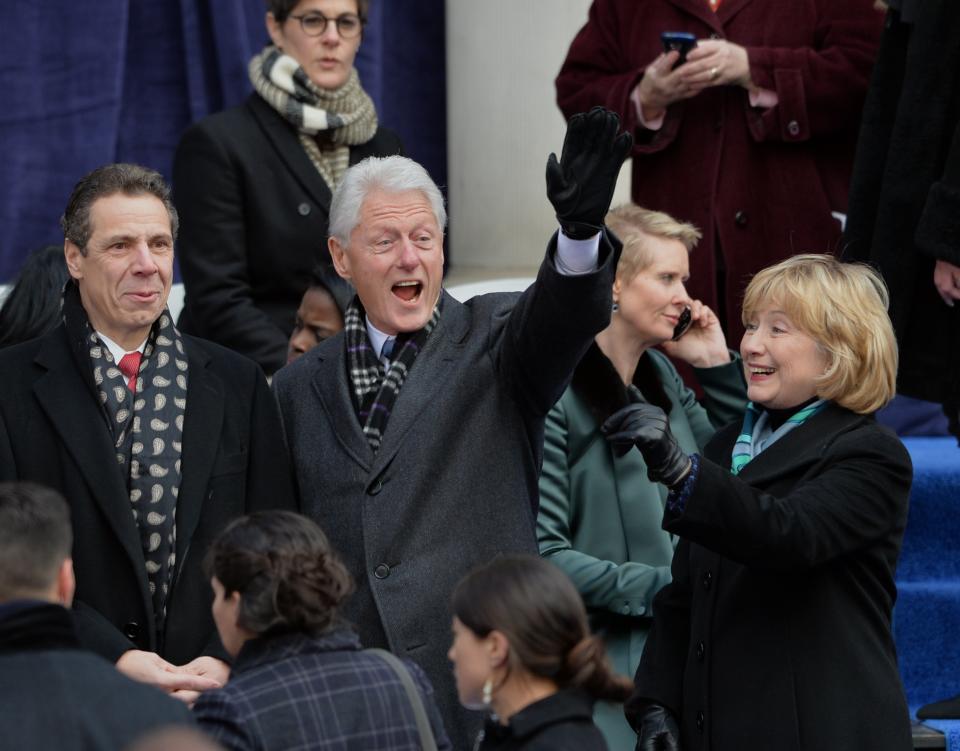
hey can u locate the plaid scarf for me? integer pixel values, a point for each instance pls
(345, 116)
(147, 431)
(375, 391)
(756, 432)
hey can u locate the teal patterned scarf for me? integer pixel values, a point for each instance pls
(756, 424)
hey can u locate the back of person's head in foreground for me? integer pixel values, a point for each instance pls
(519, 621)
(35, 543)
(274, 572)
(843, 308)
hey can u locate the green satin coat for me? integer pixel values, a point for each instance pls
(600, 517)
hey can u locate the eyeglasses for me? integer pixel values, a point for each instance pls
(348, 25)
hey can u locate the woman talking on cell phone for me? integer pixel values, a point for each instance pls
(600, 516)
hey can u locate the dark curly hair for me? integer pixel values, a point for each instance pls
(287, 574)
(535, 605)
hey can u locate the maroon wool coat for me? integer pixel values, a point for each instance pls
(760, 184)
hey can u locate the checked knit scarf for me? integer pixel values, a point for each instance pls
(147, 431)
(337, 118)
(756, 424)
(375, 391)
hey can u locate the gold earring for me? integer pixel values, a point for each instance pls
(487, 692)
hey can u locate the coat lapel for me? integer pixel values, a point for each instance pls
(434, 366)
(201, 430)
(284, 139)
(796, 451)
(337, 403)
(71, 405)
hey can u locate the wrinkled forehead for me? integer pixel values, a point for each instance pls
(397, 209)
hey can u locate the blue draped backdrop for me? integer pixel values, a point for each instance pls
(87, 82)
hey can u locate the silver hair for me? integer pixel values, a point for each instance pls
(392, 174)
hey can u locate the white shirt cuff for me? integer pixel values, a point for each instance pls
(575, 257)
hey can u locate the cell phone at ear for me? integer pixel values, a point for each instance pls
(681, 41)
(683, 325)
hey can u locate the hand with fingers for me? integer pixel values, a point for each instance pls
(580, 184)
(149, 667)
(716, 62)
(662, 85)
(946, 278)
(646, 426)
(704, 345)
(658, 730)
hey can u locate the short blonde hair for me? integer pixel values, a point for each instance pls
(843, 307)
(633, 224)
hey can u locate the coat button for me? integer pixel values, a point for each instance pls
(700, 721)
(793, 128)
(382, 571)
(740, 218)
(701, 650)
(303, 209)
(707, 580)
(376, 487)
(131, 630)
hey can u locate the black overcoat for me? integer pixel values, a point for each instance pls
(53, 432)
(253, 223)
(905, 192)
(775, 632)
(455, 480)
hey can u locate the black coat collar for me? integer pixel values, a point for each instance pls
(35, 625)
(564, 706)
(596, 382)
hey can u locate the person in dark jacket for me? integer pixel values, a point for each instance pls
(54, 694)
(253, 183)
(522, 651)
(300, 679)
(905, 194)
(775, 630)
(156, 438)
(751, 139)
(429, 413)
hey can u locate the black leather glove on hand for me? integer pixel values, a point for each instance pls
(646, 427)
(658, 730)
(580, 186)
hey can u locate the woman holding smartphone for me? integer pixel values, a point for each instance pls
(600, 516)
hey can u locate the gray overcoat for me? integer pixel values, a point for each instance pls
(455, 480)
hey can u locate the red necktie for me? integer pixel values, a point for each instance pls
(129, 365)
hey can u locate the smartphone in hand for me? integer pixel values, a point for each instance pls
(682, 41)
(683, 325)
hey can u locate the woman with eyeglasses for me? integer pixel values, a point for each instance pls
(253, 184)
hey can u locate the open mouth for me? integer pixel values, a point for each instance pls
(762, 371)
(407, 291)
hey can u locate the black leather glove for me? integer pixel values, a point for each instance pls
(658, 730)
(647, 427)
(580, 186)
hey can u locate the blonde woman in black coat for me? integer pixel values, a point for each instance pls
(775, 631)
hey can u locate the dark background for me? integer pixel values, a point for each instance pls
(87, 82)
